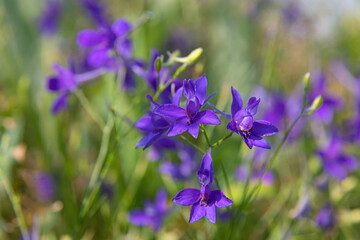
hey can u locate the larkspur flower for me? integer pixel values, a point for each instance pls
(49, 20)
(190, 118)
(96, 10)
(243, 123)
(325, 219)
(153, 214)
(45, 187)
(180, 171)
(111, 47)
(65, 82)
(204, 201)
(335, 162)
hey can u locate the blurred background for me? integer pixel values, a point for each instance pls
(253, 45)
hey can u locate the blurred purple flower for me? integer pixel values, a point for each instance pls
(243, 123)
(154, 79)
(108, 42)
(96, 10)
(242, 173)
(181, 171)
(335, 162)
(153, 214)
(65, 82)
(203, 201)
(190, 118)
(44, 186)
(331, 103)
(50, 16)
(325, 218)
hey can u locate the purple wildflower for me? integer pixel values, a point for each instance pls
(335, 162)
(190, 118)
(106, 43)
(203, 201)
(45, 187)
(325, 218)
(153, 214)
(243, 123)
(303, 207)
(96, 10)
(49, 20)
(182, 170)
(65, 82)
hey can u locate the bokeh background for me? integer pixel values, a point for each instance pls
(247, 44)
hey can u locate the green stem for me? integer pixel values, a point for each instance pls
(15, 202)
(96, 175)
(202, 128)
(87, 106)
(192, 144)
(218, 143)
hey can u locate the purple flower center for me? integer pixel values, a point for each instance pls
(203, 201)
(245, 123)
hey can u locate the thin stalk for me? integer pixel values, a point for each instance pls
(87, 106)
(202, 128)
(15, 202)
(218, 143)
(192, 144)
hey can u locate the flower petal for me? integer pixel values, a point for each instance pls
(206, 171)
(149, 139)
(211, 213)
(160, 202)
(139, 218)
(194, 129)
(60, 103)
(177, 97)
(232, 127)
(263, 128)
(201, 84)
(170, 110)
(98, 58)
(89, 38)
(210, 118)
(197, 212)
(178, 128)
(121, 27)
(259, 142)
(187, 196)
(253, 104)
(220, 199)
(237, 101)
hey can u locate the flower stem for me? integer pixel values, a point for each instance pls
(202, 128)
(218, 143)
(87, 106)
(15, 202)
(192, 144)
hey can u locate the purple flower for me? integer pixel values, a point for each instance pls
(45, 187)
(153, 214)
(243, 123)
(302, 208)
(203, 201)
(335, 162)
(180, 171)
(65, 82)
(50, 16)
(96, 11)
(190, 118)
(325, 218)
(106, 43)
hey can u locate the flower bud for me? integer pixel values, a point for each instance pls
(315, 105)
